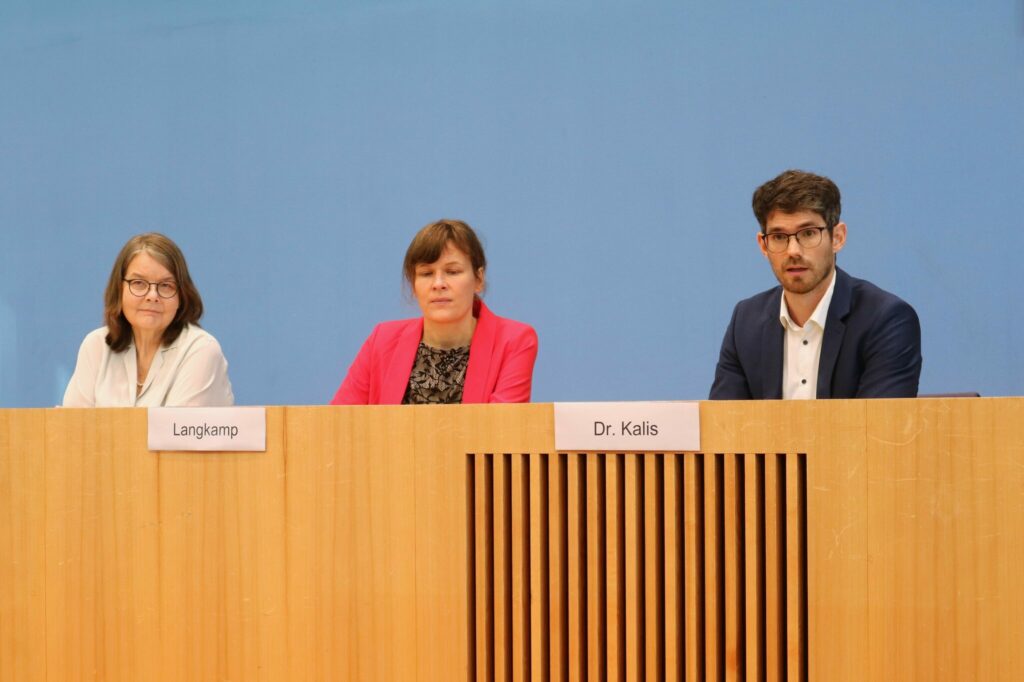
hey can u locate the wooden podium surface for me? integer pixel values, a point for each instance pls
(825, 540)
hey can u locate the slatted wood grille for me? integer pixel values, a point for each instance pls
(637, 566)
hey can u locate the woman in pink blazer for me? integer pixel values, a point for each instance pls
(458, 351)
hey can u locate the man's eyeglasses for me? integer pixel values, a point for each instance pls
(140, 287)
(807, 237)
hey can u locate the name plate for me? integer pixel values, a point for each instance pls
(627, 427)
(217, 429)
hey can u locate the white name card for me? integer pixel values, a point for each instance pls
(627, 427)
(217, 429)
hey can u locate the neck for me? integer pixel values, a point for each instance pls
(146, 342)
(446, 336)
(801, 306)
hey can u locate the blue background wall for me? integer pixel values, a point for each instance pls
(606, 152)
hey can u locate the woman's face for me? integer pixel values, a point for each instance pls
(149, 312)
(445, 288)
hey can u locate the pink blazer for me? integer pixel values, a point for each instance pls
(500, 369)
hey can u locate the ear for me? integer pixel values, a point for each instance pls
(838, 237)
(761, 244)
(479, 281)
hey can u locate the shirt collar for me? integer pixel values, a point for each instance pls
(820, 314)
(168, 346)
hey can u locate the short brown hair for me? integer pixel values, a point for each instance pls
(167, 253)
(796, 190)
(430, 241)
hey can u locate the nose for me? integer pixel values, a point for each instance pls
(793, 247)
(439, 281)
(151, 294)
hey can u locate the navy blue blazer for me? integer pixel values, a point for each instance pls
(871, 348)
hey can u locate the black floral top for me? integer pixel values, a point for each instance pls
(437, 376)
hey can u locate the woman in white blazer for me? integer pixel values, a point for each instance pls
(151, 351)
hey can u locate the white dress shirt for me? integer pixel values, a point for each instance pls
(802, 348)
(189, 372)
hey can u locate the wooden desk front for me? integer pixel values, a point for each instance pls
(831, 539)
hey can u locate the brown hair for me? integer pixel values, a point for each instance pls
(429, 242)
(167, 253)
(796, 190)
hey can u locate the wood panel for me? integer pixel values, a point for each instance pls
(839, 540)
(342, 528)
(22, 544)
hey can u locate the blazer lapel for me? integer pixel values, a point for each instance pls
(835, 329)
(481, 349)
(771, 352)
(396, 376)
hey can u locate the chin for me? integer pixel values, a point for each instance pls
(445, 317)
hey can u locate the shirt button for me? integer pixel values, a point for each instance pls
(803, 381)
(805, 342)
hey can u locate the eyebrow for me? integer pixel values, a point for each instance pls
(136, 275)
(442, 265)
(801, 226)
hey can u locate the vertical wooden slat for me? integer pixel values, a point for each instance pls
(471, 550)
(596, 626)
(502, 575)
(540, 604)
(693, 566)
(714, 608)
(733, 576)
(633, 519)
(654, 594)
(576, 568)
(484, 570)
(753, 467)
(558, 574)
(673, 540)
(520, 562)
(795, 580)
(615, 579)
(774, 570)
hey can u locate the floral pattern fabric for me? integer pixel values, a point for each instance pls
(437, 376)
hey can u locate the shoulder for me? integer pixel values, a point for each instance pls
(759, 305)
(387, 334)
(515, 328)
(507, 328)
(395, 327)
(96, 336)
(868, 297)
(94, 351)
(95, 342)
(195, 341)
(388, 337)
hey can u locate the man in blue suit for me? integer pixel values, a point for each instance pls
(821, 333)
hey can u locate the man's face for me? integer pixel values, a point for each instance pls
(802, 269)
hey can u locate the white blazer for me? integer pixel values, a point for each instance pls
(190, 372)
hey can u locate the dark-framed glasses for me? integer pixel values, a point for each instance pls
(807, 237)
(140, 287)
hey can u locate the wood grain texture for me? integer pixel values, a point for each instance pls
(672, 540)
(353, 547)
(654, 569)
(693, 567)
(23, 630)
(597, 625)
(558, 575)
